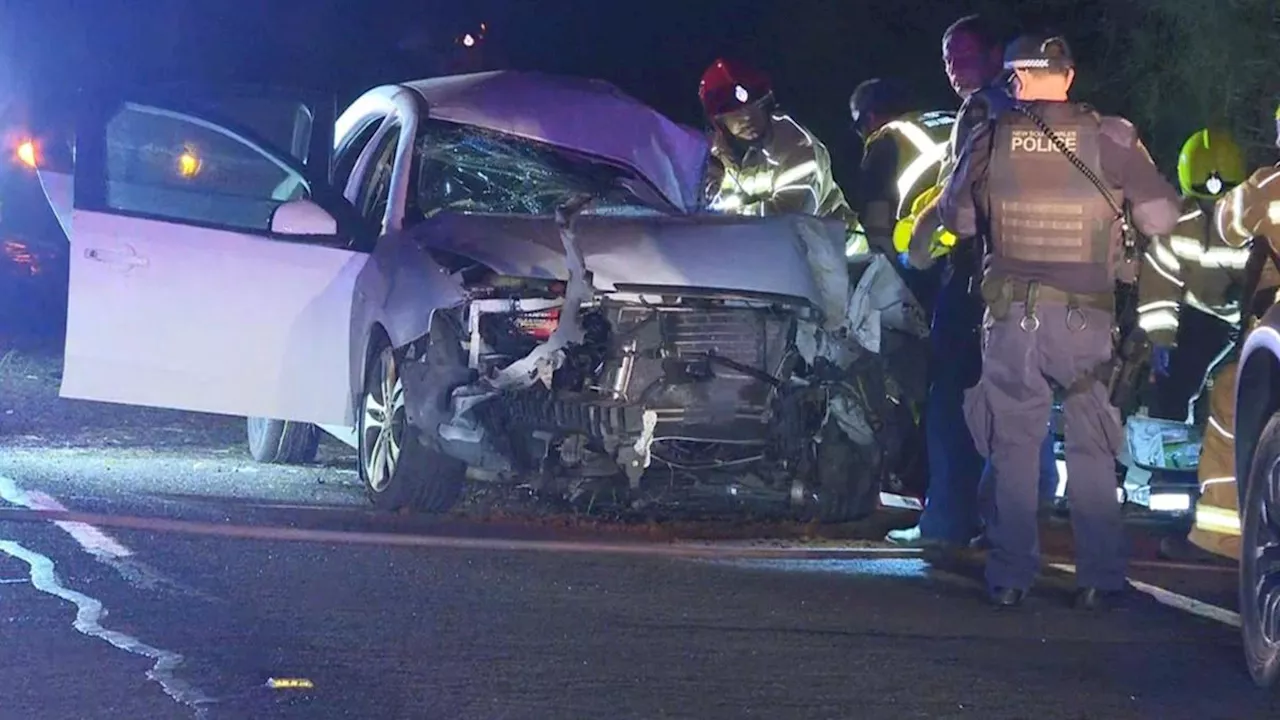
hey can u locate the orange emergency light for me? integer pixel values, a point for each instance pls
(28, 153)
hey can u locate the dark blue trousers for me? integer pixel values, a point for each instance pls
(1004, 410)
(959, 501)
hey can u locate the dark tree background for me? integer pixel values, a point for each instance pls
(1171, 66)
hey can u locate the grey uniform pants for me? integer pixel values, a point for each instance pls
(1007, 411)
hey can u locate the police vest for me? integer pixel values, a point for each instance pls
(922, 141)
(1048, 221)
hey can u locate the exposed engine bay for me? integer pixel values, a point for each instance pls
(660, 390)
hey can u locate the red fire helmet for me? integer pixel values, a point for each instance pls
(728, 85)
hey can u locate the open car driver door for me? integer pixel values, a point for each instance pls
(211, 269)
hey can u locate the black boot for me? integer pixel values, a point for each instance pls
(1093, 599)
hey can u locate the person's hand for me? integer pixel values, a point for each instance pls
(1161, 357)
(923, 230)
(904, 260)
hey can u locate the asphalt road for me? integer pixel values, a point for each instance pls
(518, 630)
(202, 575)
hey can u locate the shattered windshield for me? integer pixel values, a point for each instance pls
(461, 168)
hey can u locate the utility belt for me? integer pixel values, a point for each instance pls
(1001, 292)
(1123, 375)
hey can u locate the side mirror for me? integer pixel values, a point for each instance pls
(302, 217)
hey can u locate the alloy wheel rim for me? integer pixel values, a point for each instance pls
(382, 424)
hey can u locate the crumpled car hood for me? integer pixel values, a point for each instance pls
(757, 255)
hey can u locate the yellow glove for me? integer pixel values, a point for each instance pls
(943, 239)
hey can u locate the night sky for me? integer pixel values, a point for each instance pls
(816, 50)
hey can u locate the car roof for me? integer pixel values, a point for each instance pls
(588, 116)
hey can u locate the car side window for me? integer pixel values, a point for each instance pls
(375, 190)
(166, 164)
(345, 161)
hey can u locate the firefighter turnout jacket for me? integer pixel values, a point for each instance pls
(1192, 265)
(790, 172)
(1242, 214)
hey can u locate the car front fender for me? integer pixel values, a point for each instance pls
(1257, 392)
(397, 294)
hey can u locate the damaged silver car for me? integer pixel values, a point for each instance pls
(512, 279)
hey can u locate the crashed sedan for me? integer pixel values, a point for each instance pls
(505, 276)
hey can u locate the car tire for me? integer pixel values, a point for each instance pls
(1258, 533)
(848, 482)
(282, 442)
(399, 471)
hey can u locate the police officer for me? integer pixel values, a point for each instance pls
(766, 162)
(1055, 229)
(1243, 213)
(972, 55)
(1188, 294)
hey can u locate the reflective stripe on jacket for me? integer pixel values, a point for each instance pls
(1190, 266)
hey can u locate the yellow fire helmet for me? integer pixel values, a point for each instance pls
(943, 240)
(1210, 164)
(1278, 126)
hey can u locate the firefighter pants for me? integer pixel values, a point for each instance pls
(1007, 413)
(1217, 521)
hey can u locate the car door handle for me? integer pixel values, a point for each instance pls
(119, 258)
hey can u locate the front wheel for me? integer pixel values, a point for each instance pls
(1260, 560)
(398, 470)
(847, 480)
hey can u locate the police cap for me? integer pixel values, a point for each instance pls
(1038, 52)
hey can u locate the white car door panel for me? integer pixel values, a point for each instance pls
(181, 296)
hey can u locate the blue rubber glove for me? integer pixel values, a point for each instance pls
(904, 260)
(1161, 356)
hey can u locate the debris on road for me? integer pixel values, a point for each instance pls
(290, 684)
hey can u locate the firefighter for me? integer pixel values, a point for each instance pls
(972, 55)
(767, 163)
(1243, 213)
(1049, 283)
(1190, 282)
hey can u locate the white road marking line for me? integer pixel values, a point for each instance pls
(89, 614)
(94, 541)
(1174, 600)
